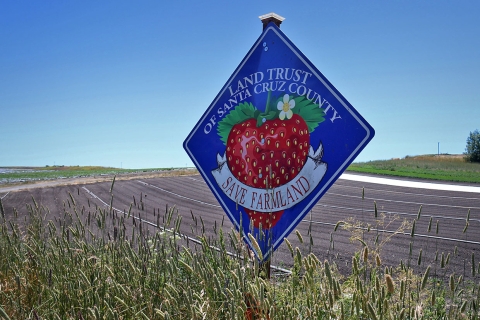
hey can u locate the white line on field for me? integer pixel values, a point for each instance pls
(330, 206)
(410, 184)
(178, 195)
(332, 193)
(400, 201)
(407, 193)
(404, 233)
(403, 183)
(395, 213)
(5, 195)
(327, 223)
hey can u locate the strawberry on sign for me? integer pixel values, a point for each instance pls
(269, 156)
(273, 141)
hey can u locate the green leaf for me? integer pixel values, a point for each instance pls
(309, 111)
(313, 116)
(267, 106)
(250, 113)
(301, 102)
(239, 114)
(267, 116)
(272, 115)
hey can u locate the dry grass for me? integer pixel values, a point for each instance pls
(88, 265)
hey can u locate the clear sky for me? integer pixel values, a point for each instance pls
(122, 83)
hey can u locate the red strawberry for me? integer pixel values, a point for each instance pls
(267, 150)
(267, 156)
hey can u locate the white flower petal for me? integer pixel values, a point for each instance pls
(280, 105)
(291, 103)
(289, 114)
(282, 115)
(286, 98)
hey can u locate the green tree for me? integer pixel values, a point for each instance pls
(472, 150)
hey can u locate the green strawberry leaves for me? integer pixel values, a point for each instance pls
(309, 111)
(266, 116)
(239, 114)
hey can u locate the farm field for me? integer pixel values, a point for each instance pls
(414, 227)
(28, 175)
(343, 202)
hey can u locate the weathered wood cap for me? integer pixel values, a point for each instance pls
(271, 17)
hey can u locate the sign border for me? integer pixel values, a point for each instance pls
(354, 113)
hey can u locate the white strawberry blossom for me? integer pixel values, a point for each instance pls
(286, 107)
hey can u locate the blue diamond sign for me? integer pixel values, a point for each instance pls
(274, 140)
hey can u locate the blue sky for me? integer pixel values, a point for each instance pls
(122, 83)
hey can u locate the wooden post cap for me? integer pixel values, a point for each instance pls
(271, 17)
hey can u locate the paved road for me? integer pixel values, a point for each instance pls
(351, 200)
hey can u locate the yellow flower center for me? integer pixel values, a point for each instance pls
(286, 107)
